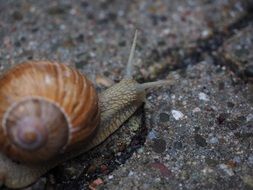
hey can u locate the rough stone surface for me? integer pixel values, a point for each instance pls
(195, 134)
(209, 148)
(238, 52)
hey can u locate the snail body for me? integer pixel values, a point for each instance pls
(51, 113)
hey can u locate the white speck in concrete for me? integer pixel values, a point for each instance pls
(214, 140)
(110, 177)
(131, 173)
(177, 114)
(203, 96)
(195, 110)
(205, 33)
(249, 117)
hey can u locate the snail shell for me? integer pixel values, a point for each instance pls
(56, 109)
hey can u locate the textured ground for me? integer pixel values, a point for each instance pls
(195, 134)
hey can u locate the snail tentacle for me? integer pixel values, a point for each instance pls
(129, 69)
(147, 85)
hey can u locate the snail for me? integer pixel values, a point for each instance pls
(50, 113)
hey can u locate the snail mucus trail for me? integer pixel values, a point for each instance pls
(115, 105)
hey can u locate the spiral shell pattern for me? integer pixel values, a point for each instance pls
(46, 108)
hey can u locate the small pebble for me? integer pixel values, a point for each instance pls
(226, 169)
(157, 180)
(164, 170)
(95, 183)
(230, 104)
(104, 168)
(237, 159)
(250, 159)
(62, 27)
(214, 140)
(222, 118)
(152, 135)
(206, 33)
(201, 141)
(165, 32)
(140, 150)
(249, 117)
(164, 117)
(131, 173)
(177, 114)
(159, 145)
(195, 110)
(203, 96)
(110, 177)
(178, 145)
(207, 170)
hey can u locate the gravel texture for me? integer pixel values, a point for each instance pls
(194, 134)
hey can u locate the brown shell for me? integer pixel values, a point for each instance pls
(57, 100)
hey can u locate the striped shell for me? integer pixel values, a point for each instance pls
(46, 108)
